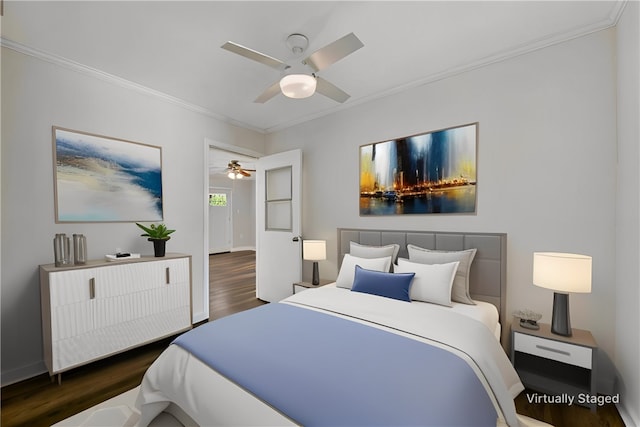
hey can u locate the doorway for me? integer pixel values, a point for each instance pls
(230, 228)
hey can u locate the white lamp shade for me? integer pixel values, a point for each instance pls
(298, 85)
(314, 250)
(562, 272)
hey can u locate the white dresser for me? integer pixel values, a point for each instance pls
(102, 308)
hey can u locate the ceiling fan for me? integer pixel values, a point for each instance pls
(235, 171)
(301, 80)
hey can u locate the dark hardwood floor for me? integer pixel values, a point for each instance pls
(569, 416)
(233, 283)
(40, 402)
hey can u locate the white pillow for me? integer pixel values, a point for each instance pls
(432, 282)
(367, 251)
(348, 268)
(460, 289)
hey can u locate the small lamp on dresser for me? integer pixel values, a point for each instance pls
(563, 273)
(314, 250)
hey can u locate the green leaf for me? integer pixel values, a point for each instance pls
(156, 231)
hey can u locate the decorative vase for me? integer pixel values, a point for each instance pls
(61, 250)
(159, 246)
(79, 249)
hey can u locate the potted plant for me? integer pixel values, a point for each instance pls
(158, 234)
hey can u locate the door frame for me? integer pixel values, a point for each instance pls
(208, 144)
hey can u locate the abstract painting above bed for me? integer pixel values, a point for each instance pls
(430, 173)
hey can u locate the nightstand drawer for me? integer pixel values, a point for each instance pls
(549, 349)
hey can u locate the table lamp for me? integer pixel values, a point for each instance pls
(314, 250)
(563, 273)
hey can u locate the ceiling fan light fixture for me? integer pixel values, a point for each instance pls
(235, 171)
(298, 85)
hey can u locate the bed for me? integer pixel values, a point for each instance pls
(348, 353)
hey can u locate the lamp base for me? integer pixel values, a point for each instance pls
(316, 275)
(560, 322)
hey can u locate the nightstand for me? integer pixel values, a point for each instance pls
(301, 286)
(554, 364)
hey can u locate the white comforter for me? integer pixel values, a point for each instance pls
(210, 399)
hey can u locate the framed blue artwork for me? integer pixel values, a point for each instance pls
(103, 179)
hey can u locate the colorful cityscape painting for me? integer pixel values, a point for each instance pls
(101, 179)
(429, 173)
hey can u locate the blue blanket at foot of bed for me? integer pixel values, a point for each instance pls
(321, 370)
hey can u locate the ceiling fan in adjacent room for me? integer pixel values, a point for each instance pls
(302, 80)
(235, 171)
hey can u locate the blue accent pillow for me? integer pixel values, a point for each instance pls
(389, 285)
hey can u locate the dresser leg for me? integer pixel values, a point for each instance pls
(58, 377)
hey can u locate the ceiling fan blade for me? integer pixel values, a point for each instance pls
(269, 93)
(333, 52)
(243, 172)
(330, 90)
(254, 55)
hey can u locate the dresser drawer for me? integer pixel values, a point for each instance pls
(549, 349)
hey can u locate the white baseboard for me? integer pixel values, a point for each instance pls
(236, 249)
(199, 317)
(626, 416)
(244, 248)
(23, 373)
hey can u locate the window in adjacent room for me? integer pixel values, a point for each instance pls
(217, 199)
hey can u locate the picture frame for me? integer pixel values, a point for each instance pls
(429, 173)
(103, 179)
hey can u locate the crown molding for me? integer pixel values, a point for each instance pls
(542, 43)
(617, 10)
(516, 51)
(119, 81)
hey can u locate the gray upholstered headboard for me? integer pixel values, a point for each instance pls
(488, 277)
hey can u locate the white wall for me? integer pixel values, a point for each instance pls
(627, 343)
(546, 167)
(36, 95)
(244, 210)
